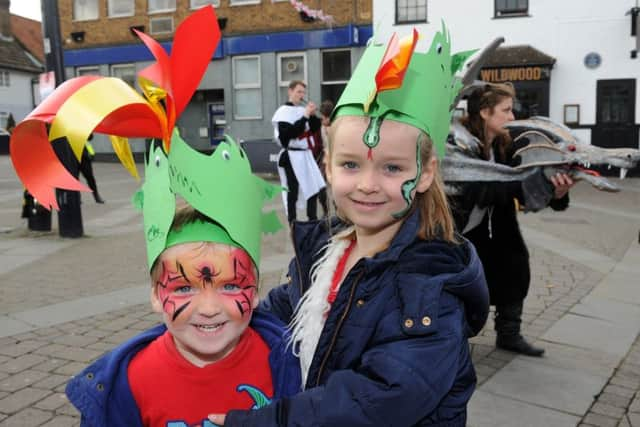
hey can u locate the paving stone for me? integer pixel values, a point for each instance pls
(600, 420)
(69, 353)
(76, 340)
(21, 363)
(62, 421)
(608, 410)
(634, 419)
(635, 403)
(51, 381)
(621, 391)
(22, 399)
(615, 400)
(70, 368)
(29, 417)
(50, 364)
(21, 380)
(21, 348)
(68, 409)
(53, 402)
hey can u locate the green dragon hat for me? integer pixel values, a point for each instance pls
(397, 83)
(220, 186)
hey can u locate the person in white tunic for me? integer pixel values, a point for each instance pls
(294, 126)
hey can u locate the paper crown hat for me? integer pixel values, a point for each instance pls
(220, 186)
(397, 83)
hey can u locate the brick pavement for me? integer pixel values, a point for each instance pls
(34, 366)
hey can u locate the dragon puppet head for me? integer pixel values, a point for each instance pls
(209, 183)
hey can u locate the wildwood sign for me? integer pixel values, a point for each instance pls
(512, 74)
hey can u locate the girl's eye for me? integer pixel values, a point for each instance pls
(230, 287)
(393, 168)
(349, 165)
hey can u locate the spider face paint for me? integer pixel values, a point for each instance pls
(206, 292)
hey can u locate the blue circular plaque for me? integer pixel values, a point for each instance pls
(592, 60)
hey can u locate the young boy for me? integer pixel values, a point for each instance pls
(214, 350)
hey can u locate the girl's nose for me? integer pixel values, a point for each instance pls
(368, 182)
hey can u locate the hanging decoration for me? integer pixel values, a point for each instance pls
(309, 15)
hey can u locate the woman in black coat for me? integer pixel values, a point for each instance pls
(487, 214)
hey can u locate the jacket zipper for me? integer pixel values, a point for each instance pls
(295, 255)
(337, 331)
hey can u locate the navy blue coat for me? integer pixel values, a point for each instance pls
(394, 349)
(102, 394)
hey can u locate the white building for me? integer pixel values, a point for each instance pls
(573, 60)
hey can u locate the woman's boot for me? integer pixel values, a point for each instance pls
(508, 318)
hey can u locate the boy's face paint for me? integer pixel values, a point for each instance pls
(372, 191)
(207, 293)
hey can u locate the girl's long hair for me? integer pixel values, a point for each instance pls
(487, 96)
(436, 221)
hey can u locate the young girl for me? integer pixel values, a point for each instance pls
(382, 303)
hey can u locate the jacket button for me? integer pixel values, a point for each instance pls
(408, 323)
(360, 302)
(100, 387)
(426, 320)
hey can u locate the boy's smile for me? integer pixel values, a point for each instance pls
(206, 292)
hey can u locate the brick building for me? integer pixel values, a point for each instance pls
(266, 43)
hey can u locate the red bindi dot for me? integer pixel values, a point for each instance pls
(572, 147)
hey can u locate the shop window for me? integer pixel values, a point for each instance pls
(247, 93)
(158, 6)
(336, 70)
(511, 7)
(410, 11)
(5, 79)
(119, 8)
(126, 72)
(87, 71)
(291, 66)
(195, 4)
(84, 10)
(162, 25)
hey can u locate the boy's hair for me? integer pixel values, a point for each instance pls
(436, 221)
(186, 214)
(487, 96)
(294, 83)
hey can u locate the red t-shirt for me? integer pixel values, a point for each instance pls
(170, 391)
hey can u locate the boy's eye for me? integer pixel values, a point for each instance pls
(230, 287)
(184, 289)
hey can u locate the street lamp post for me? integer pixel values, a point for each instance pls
(70, 214)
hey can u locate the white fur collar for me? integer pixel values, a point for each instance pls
(309, 320)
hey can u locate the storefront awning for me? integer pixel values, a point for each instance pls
(520, 55)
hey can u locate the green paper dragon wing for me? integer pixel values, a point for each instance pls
(258, 397)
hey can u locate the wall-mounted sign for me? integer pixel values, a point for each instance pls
(592, 60)
(514, 74)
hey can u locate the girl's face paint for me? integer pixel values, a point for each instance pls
(207, 293)
(371, 192)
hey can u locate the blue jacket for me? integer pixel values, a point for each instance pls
(394, 349)
(102, 394)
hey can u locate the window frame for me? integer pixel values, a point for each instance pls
(124, 65)
(121, 15)
(285, 83)
(78, 70)
(243, 2)
(324, 82)
(93, 18)
(414, 21)
(156, 18)
(242, 86)
(510, 13)
(153, 12)
(215, 3)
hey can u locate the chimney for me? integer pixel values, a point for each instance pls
(5, 19)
